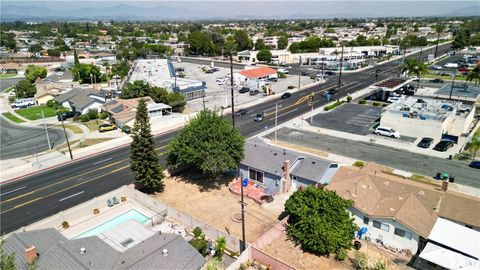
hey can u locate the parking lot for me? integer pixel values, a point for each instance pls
(351, 118)
(217, 96)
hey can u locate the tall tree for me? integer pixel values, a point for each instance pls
(282, 43)
(35, 49)
(76, 61)
(208, 142)
(260, 44)
(143, 155)
(243, 41)
(25, 89)
(413, 66)
(319, 221)
(474, 74)
(33, 72)
(264, 55)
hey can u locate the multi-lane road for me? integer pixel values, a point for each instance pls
(34, 197)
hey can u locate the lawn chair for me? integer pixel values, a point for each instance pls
(109, 203)
(115, 200)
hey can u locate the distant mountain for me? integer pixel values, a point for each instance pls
(467, 11)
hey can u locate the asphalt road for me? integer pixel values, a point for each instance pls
(6, 83)
(40, 195)
(18, 141)
(389, 156)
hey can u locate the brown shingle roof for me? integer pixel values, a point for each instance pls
(411, 203)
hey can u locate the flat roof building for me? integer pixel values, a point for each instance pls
(426, 117)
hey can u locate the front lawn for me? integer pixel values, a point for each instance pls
(34, 113)
(446, 78)
(6, 76)
(13, 117)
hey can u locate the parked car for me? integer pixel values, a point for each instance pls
(443, 146)
(445, 74)
(304, 73)
(425, 142)
(436, 67)
(215, 69)
(475, 164)
(23, 103)
(180, 69)
(386, 131)
(241, 112)
(273, 79)
(286, 95)
(258, 117)
(392, 99)
(244, 90)
(329, 73)
(67, 115)
(283, 70)
(106, 127)
(209, 71)
(254, 92)
(437, 80)
(451, 65)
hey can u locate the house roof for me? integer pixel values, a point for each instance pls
(268, 158)
(415, 205)
(258, 72)
(124, 109)
(57, 252)
(81, 98)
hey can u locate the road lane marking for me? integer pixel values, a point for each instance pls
(62, 190)
(287, 112)
(71, 196)
(101, 161)
(11, 191)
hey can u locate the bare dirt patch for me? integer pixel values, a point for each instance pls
(213, 203)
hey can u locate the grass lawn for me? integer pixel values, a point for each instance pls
(74, 129)
(9, 89)
(445, 78)
(34, 113)
(13, 117)
(93, 125)
(89, 142)
(6, 76)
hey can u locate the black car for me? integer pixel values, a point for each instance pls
(244, 90)
(329, 73)
(272, 79)
(180, 69)
(437, 80)
(209, 71)
(475, 164)
(332, 91)
(443, 146)
(425, 142)
(67, 115)
(215, 69)
(254, 92)
(304, 73)
(286, 95)
(241, 112)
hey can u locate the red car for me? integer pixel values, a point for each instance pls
(463, 69)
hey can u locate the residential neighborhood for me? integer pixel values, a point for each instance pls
(240, 135)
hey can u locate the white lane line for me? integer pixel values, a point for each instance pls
(280, 115)
(71, 196)
(101, 161)
(11, 191)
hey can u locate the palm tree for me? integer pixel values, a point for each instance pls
(474, 146)
(413, 66)
(474, 75)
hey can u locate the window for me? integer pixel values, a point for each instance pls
(381, 226)
(402, 233)
(366, 220)
(256, 175)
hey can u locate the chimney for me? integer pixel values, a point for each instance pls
(31, 254)
(288, 181)
(444, 186)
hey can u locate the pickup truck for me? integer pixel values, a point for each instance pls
(22, 103)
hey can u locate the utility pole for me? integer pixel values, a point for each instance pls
(420, 55)
(46, 131)
(231, 85)
(66, 137)
(276, 112)
(242, 203)
(311, 105)
(340, 75)
(453, 82)
(436, 46)
(299, 73)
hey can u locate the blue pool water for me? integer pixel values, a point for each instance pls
(132, 214)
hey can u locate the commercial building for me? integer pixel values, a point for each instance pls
(400, 214)
(426, 117)
(459, 91)
(161, 73)
(254, 77)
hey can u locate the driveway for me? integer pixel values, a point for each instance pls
(389, 156)
(18, 141)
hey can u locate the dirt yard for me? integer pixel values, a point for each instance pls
(216, 205)
(286, 251)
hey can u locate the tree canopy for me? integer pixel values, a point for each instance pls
(33, 72)
(319, 221)
(25, 89)
(158, 94)
(413, 66)
(242, 40)
(311, 44)
(282, 42)
(143, 155)
(474, 74)
(86, 73)
(209, 143)
(260, 44)
(264, 55)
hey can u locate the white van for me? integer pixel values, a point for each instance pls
(451, 65)
(386, 131)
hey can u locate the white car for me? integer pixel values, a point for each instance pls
(437, 67)
(283, 70)
(386, 131)
(451, 65)
(393, 98)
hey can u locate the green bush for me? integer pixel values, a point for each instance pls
(92, 114)
(376, 104)
(384, 105)
(358, 163)
(84, 118)
(362, 101)
(76, 118)
(197, 232)
(281, 75)
(220, 246)
(380, 265)
(341, 255)
(360, 261)
(349, 98)
(333, 106)
(290, 87)
(200, 245)
(103, 115)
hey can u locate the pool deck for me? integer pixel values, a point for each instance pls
(90, 221)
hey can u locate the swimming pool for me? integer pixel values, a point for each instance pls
(131, 214)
